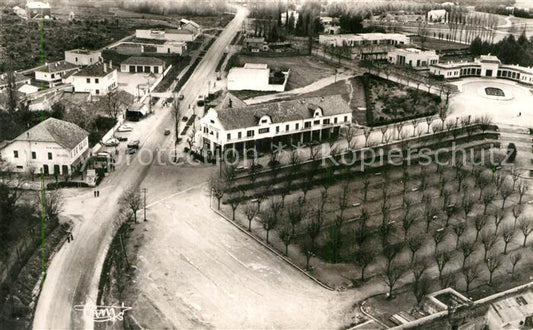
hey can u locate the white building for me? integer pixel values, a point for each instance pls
(53, 73)
(183, 34)
(19, 80)
(36, 9)
(53, 146)
(413, 57)
(437, 15)
(256, 77)
(82, 57)
(172, 47)
(27, 89)
(289, 122)
(483, 66)
(363, 39)
(137, 64)
(96, 79)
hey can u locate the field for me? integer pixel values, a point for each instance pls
(304, 69)
(438, 44)
(453, 221)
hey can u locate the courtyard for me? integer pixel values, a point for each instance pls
(511, 108)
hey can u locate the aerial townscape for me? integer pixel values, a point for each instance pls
(266, 164)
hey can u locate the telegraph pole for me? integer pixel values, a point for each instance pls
(144, 204)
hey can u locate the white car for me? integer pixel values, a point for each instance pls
(113, 142)
(125, 128)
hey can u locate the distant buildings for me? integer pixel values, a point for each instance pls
(187, 31)
(36, 9)
(483, 66)
(363, 39)
(413, 57)
(143, 64)
(53, 73)
(19, 80)
(255, 44)
(515, 312)
(257, 77)
(53, 147)
(260, 125)
(437, 16)
(82, 56)
(96, 79)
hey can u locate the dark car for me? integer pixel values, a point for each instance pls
(122, 138)
(167, 132)
(134, 144)
(131, 151)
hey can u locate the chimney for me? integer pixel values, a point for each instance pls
(105, 67)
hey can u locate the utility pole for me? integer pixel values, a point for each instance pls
(144, 204)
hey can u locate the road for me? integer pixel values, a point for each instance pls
(74, 272)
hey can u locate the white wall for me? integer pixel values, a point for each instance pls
(103, 86)
(82, 59)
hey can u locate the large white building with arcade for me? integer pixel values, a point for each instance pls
(483, 66)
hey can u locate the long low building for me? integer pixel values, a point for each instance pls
(413, 57)
(483, 66)
(257, 77)
(363, 39)
(53, 146)
(261, 125)
(143, 64)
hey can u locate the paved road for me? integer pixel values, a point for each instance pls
(74, 272)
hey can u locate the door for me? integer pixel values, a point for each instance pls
(56, 169)
(132, 68)
(46, 170)
(64, 169)
(488, 73)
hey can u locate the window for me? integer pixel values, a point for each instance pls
(249, 133)
(33, 155)
(20, 167)
(316, 122)
(97, 91)
(91, 59)
(76, 59)
(212, 121)
(50, 155)
(277, 129)
(326, 121)
(297, 125)
(335, 120)
(345, 118)
(228, 136)
(52, 75)
(88, 80)
(307, 124)
(96, 80)
(156, 69)
(217, 135)
(264, 121)
(264, 130)
(15, 154)
(286, 128)
(239, 135)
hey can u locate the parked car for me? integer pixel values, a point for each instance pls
(113, 142)
(201, 100)
(125, 128)
(167, 132)
(181, 97)
(131, 151)
(133, 144)
(184, 118)
(122, 138)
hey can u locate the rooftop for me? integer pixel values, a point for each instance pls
(280, 112)
(37, 5)
(186, 21)
(177, 31)
(82, 51)
(255, 66)
(67, 135)
(95, 70)
(140, 60)
(513, 309)
(58, 66)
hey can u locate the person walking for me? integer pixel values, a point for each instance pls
(94, 192)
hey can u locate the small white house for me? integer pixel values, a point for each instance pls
(37, 9)
(96, 79)
(53, 146)
(437, 16)
(172, 47)
(53, 73)
(136, 64)
(413, 57)
(82, 57)
(256, 77)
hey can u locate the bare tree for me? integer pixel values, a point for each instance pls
(498, 219)
(52, 204)
(470, 274)
(270, 217)
(522, 189)
(493, 262)
(349, 135)
(526, 226)
(507, 236)
(234, 201)
(517, 211)
(133, 201)
(218, 187)
(479, 223)
(11, 91)
(515, 259)
(407, 221)
(442, 258)
(506, 191)
(467, 248)
(314, 226)
(364, 258)
(415, 243)
(392, 275)
(488, 240)
(251, 212)
(285, 234)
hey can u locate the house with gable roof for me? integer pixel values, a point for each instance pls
(53, 146)
(262, 125)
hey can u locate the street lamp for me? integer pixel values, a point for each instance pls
(144, 204)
